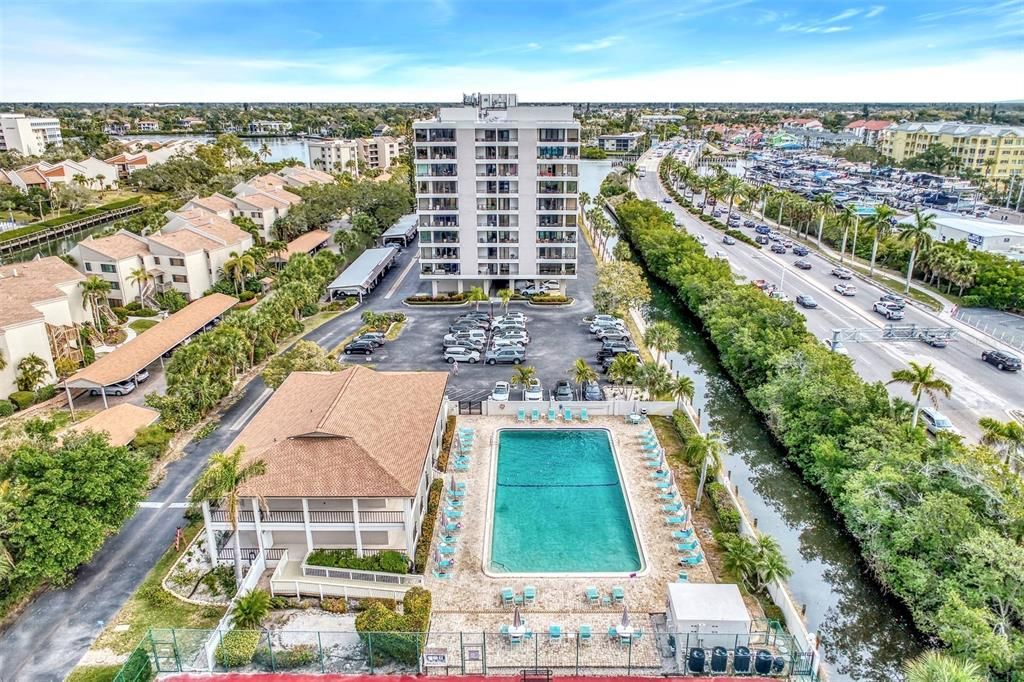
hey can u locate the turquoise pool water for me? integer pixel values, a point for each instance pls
(559, 506)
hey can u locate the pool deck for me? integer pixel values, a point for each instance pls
(468, 600)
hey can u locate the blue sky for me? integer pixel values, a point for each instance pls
(416, 50)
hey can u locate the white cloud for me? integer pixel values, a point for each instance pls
(874, 11)
(836, 29)
(532, 46)
(845, 14)
(599, 44)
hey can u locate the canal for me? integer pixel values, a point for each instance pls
(866, 635)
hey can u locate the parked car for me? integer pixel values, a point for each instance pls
(803, 264)
(551, 285)
(461, 354)
(778, 248)
(836, 347)
(466, 325)
(612, 334)
(376, 338)
(516, 335)
(501, 391)
(701, 239)
(763, 229)
(806, 301)
(934, 340)
(563, 391)
(721, 255)
(612, 351)
(510, 317)
(512, 354)
(456, 340)
(509, 325)
(842, 273)
(897, 301)
(728, 241)
(597, 326)
(627, 342)
(473, 334)
(533, 392)
(800, 250)
(887, 310)
(607, 362)
(775, 236)
(360, 348)
(761, 239)
(1001, 359)
(845, 289)
(666, 200)
(532, 290)
(506, 342)
(123, 388)
(142, 376)
(934, 422)
(592, 391)
(748, 223)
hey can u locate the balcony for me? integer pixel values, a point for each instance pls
(497, 204)
(545, 237)
(271, 517)
(497, 237)
(556, 253)
(551, 134)
(499, 269)
(547, 269)
(553, 170)
(442, 269)
(556, 204)
(435, 135)
(497, 221)
(558, 152)
(497, 187)
(438, 221)
(439, 237)
(440, 170)
(496, 153)
(556, 187)
(498, 253)
(435, 153)
(548, 221)
(428, 253)
(497, 170)
(437, 187)
(497, 135)
(438, 205)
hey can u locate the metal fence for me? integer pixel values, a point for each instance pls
(768, 653)
(1009, 336)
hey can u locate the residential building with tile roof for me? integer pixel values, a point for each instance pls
(995, 151)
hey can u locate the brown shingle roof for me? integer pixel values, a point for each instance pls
(120, 422)
(215, 203)
(35, 282)
(124, 362)
(116, 246)
(262, 200)
(305, 243)
(185, 241)
(353, 433)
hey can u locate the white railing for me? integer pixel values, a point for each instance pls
(594, 408)
(357, 575)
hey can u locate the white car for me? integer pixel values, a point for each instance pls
(779, 295)
(721, 255)
(845, 289)
(533, 391)
(598, 325)
(701, 239)
(517, 335)
(508, 325)
(838, 347)
(509, 317)
(461, 354)
(934, 421)
(598, 319)
(551, 285)
(503, 341)
(501, 391)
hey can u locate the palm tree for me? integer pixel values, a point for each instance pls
(935, 666)
(771, 564)
(716, 191)
(476, 295)
(880, 224)
(662, 336)
(3, 362)
(922, 381)
(705, 452)
(631, 171)
(582, 373)
(654, 379)
(100, 177)
(706, 184)
(277, 247)
(140, 276)
(506, 297)
(522, 375)
(918, 235)
(732, 186)
(346, 240)
(826, 205)
(682, 388)
(1006, 438)
(238, 266)
(264, 152)
(847, 217)
(222, 482)
(32, 371)
(623, 369)
(584, 199)
(94, 290)
(740, 558)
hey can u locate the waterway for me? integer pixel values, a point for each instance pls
(281, 148)
(866, 635)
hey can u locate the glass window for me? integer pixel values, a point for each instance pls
(178, 262)
(88, 267)
(179, 278)
(105, 267)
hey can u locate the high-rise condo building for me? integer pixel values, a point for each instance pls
(28, 135)
(497, 188)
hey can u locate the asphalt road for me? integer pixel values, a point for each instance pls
(979, 389)
(53, 633)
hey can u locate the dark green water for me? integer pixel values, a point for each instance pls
(865, 634)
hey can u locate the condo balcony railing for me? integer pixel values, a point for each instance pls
(440, 269)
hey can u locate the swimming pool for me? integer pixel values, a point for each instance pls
(559, 505)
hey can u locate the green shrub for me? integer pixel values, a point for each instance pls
(334, 605)
(221, 581)
(121, 312)
(152, 441)
(88, 355)
(6, 408)
(250, 610)
(133, 306)
(144, 312)
(728, 517)
(155, 595)
(23, 399)
(391, 636)
(138, 667)
(388, 561)
(366, 602)
(246, 296)
(429, 518)
(237, 648)
(294, 657)
(45, 392)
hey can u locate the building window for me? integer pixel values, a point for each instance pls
(105, 267)
(88, 267)
(178, 262)
(181, 279)
(115, 286)
(156, 260)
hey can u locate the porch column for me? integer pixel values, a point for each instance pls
(410, 528)
(103, 392)
(211, 542)
(305, 523)
(71, 403)
(259, 524)
(355, 524)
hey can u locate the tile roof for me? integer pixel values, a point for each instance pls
(262, 200)
(868, 125)
(215, 226)
(116, 246)
(957, 129)
(185, 241)
(125, 361)
(353, 433)
(305, 243)
(215, 203)
(120, 422)
(31, 176)
(32, 282)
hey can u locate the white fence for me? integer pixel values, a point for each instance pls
(375, 577)
(594, 408)
(249, 582)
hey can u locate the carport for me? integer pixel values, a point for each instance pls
(131, 358)
(364, 274)
(309, 243)
(402, 232)
(120, 422)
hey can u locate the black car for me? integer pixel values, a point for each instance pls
(748, 223)
(806, 301)
(803, 264)
(563, 391)
(359, 348)
(612, 351)
(466, 325)
(897, 301)
(778, 248)
(1002, 360)
(799, 250)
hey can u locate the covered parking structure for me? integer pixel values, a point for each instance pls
(308, 243)
(365, 273)
(402, 232)
(120, 422)
(128, 360)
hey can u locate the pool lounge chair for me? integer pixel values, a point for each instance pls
(552, 415)
(592, 595)
(455, 494)
(671, 507)
(460, 466)
(585, 633)
(660, 475)
(670, 520)
(668, 497)
(683, 578)
(445, 549)
(507, 596)
(584, 417)
(653, 463)
(618, 594)
(444, 563)
(567, 415)
(535, 416)
(521, 415)
(529, 594)
(650, 447)
(441, 575)
(453, 513)
(692, 560)
(554, 632)
(663, 485)
(682, 534)
(687, 546)
(457, 504)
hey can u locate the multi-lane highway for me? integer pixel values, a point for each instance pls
(979, 389)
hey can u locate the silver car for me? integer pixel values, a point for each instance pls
(511, 354)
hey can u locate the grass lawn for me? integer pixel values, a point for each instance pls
(93, 673)
(140, 614)
(142, 325)
(312, 322)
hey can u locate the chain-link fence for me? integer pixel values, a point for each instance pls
(765, 652)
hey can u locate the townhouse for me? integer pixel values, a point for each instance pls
(868, 131)
(995, 151)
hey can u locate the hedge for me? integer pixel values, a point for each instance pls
(709, 219)
(388, 561)
(237, 648)
(138, 667)
(390, 636)
(23, 399)
(429, 518)
(728, 517)
(440, 299)
(295, 656)
(62, 220)
(6, 408)
(45, 392)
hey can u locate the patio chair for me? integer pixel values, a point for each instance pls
(606, 600)
(503, 630)
(660, 475)
(585, 633)
(686, 546)
(460, 466)
(554, 632)
(663, 485)
(534, 416)
(515, 639)
(638, 634)
(675, 520)
(592, 595)
(529, 594)
(552, 415)
(584, 417)
(692, 560)
(612, 633)
(567, 415)
(682, 534)
(618, 594)
(518, 599)
(453, 513)
(521, 415)
(683, 577)
(671, 507)
(507, 596)
(441, 575)
(445, 549)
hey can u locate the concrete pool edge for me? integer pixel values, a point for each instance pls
(626, 497)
